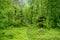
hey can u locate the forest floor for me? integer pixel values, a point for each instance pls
(29, 33)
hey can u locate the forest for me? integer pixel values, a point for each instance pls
(29, 19)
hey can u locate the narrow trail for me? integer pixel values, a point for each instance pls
(28, 33)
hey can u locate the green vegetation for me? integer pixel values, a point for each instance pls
(36, 20)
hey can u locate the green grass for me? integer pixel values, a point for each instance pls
(29, 33)
(17, 33)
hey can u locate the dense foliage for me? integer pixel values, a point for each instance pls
(41, 13)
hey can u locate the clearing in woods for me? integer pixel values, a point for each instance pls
(29, 33)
